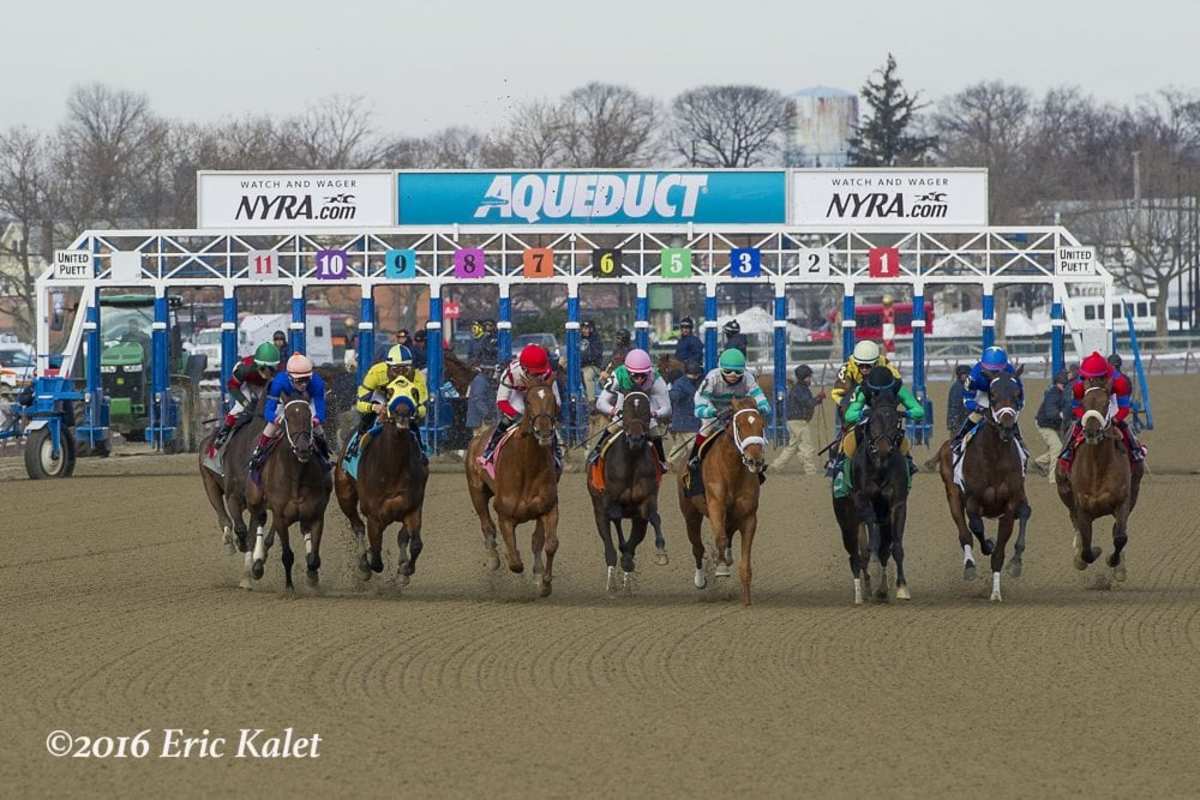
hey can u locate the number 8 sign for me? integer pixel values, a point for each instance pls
(468, 263)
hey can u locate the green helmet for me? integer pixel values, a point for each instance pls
(732, 360)
(267, 355)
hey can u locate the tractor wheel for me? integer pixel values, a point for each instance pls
(39, 455)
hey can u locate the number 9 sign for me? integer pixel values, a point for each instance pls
(401, 264)
(606, 262)
(745, 262)
(468, 263)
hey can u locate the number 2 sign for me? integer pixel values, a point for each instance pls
(883, 262)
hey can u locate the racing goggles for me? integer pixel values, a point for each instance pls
(640, 377)
(732, 373)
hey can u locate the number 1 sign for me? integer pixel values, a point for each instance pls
(883, 262)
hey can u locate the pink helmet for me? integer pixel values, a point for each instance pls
(638, 362)
(299, 366)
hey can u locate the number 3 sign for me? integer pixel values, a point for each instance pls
(745, 262)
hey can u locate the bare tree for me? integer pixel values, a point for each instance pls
(730, 126)
(535, 135)
(608, 126)
(333, 133)
(24, 197)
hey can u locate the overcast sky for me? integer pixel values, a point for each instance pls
(426, 65)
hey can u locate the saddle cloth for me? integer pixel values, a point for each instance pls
(693, 481)
(350, 462)
(596, 469)
(489, 464)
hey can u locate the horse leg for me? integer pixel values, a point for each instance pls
(975, 523)
(312, 530)
(1016, 563)
(412, 524)
(848, 523)
(289, 558)
(747, 530)
(508, 531)
(629, 552)
(372, 559)
(1120, 535)
(235, 505)
(660, 541)
(954, 497)
(347, 497)
(721, 538)
(693, 522)
(899, 518)
(1085, 554)
(216, 498)
(606, 539)
(1002, 536)
(537, 543)
(480, 501)
(403, 538)
(261, 545)
(550, 523)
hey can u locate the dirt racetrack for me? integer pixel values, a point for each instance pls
(120, 613)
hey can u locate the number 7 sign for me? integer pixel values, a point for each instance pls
(883, 262)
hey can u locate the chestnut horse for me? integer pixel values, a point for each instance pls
(390, 487)
(227, 491)
(994, 481)
(525, 488)
(1101, 481)
(730, 472)
(294, 487)
(630, 488)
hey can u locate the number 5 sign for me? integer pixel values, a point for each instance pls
(676, 262)
(883, 262)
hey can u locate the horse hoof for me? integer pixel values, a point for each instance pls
(660, 558)
(517, 568)
(376, 563)
(1118, 572)
(996, 598)
(969, 571)
(699, 580)
(902, 592)
(364, 568)
(313, 577)
(1014, 568)
(403, 579)
(988, 546)
(493, 562)
(858, 591)
(544, 586)
(257, 569)
(1080, 564)
(313, 562)
(723, 571)
(610, 580)
(245, 584)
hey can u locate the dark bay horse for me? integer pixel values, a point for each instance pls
(1101, 481)
(227, 492)
(630, 488)
(994, 482)
(730, 471)
(295, 488)
(390, 488)
(878, 499)
(524, 489)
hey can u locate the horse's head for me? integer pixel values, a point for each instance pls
(1004, 399)
(541, 413)
(1097, 394)
(885, 427)
(298, 427)
(401, 403)
(635, 418)
(748, 425)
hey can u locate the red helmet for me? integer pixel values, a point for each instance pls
(536, 361)
(1095, 366)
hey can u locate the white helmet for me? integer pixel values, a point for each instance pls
(866, 352)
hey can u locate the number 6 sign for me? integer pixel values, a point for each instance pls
(468, 263)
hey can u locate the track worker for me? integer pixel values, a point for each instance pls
(801, 404)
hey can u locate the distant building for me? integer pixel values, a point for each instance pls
(825, 121)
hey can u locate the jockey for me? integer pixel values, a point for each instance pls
(866, 355)
(246, 384)
(298, 382)
(637, 374)
(371, 394)
(1095, 368)
(530, 368)
(728, 382)
(990, 366)
(879, 379)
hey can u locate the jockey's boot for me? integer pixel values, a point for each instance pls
(662, 454)
(841, 476)
(970, 422)
(365, 422)
(594, 454)
(503, 425)
(259, 455)
(223, 434)
(414, 428)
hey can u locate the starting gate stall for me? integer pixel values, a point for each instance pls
(573, 254)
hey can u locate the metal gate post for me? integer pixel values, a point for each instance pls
(159, 431)
(925, 430)
(576, 404)
(433, 366)
(229, 346)
(1058, 327)
(504, 325)
(641, 335)
(989, 314)
(95, 391)
(296, 328)
(848, 321)
(710, 325)
(366, 332)
(779, 417)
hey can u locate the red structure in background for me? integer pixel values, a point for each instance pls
(869, 319)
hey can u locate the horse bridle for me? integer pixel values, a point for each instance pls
(537, 432)
(743, 442)
(1091, 413)
(305, 439)
(645, 425)
(995, 413)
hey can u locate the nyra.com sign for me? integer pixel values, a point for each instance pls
(870, 198)
(289, 200)
(573, 197)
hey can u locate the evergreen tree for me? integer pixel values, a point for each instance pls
(883, 139)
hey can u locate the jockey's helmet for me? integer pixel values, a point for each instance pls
(732, 327)
(732, 364)
(994, 359)
(535, 361)
(1114, 360)
(623, 337)
(639, 365)
(299, 366)
(1094, 366)
(266, 355)
(879, 379)
(399, 356)
(865, 353)
(477, 329)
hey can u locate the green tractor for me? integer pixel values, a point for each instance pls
(126, 323)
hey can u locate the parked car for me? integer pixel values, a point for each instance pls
(206, 343)
(16, 365)
(547, 340)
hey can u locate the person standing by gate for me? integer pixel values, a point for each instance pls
(419, 343)
(280, 340)
(624, 343)
(956, 407)
(735, 339)
(684, 422)
(689, 348)
(801, 403)
(1051, 414)
(591, 357)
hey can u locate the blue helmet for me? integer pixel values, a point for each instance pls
(994, 359)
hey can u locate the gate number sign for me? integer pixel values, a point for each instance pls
(883, 262)
(538, 262)
(400, 264)
(606, 262)
(332, 265)
(262, 265)
(676, 262)
(745, 262)
(468, 263)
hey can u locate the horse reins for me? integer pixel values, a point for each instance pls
(287, 429)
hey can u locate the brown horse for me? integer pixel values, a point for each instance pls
(390, 488)
(993, 478)
(629, 488)
(525, 487)
(1101, 481)
(227, 491)
(458, 372)
(294, 486)
(730, 472)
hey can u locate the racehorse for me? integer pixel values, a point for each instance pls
(227, 491)
(457, 371)
(1101, 481)
(628, 489)
(524, 488)
(730, 472)
(993, 482)
(390, 487)
(878, 499)
(294, 486)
